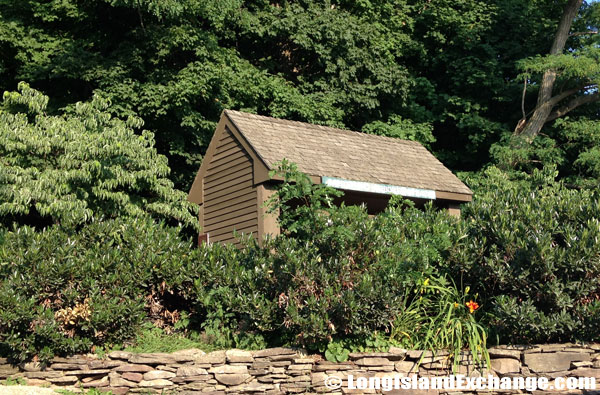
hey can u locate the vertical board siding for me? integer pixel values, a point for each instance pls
(229, 194)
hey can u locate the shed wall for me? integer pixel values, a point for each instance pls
(230, 197)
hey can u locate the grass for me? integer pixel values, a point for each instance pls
(153, 339)
(14, 381)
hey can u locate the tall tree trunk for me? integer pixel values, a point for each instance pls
(545, 102)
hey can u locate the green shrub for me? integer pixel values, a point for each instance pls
(81, 164)
(335, 278)
(63, 293)
(532, 254)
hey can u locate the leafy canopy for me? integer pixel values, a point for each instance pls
(80, 164)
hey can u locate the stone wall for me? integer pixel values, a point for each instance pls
(284, 370)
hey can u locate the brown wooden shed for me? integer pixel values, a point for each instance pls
(233, 181)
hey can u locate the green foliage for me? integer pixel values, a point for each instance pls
(392, 67)
(62, 293)
(402, 129)
(14, 381)
(440, 319)
(299, 202)
(337, 279)
(531, 253)
(153, 339)
(85, 163)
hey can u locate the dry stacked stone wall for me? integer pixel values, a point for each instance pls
(285, 370)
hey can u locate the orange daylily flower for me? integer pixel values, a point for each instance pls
(472, 306)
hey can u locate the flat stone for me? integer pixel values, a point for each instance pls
(304, 366)
(116, 381)
(398, 351)
(158, 374)
(198, 386)
(32, 367)
(232, 379)
(532, 349)
(89, 372)
(43, 375)
(124, 355)
(253, 387)
(63, 366)
(386, 355)
(8, 370)
(187, 355)
(303, 360)
(155, 358)
(578, 349)
(416, 354)
(258, 372)
(186, 371)
(239, 356)
(374, 362)
(188, 379)
(133, 368)
(284, 357)
(505, 365)
(553, 362)
(103, 382)
(585, 372)
(215, 357)
(298, 379)
(169, 368)
(269, 352)
(406, 366)
(322, 367)
(87, 379)
(118, 390)
(583, 364)
(133, 376)
(229, 369)
(77, 360)
(160, 383)
(63, 380)
(497, 352)
(105, 364)
(553, 347)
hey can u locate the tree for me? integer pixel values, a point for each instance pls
(81, 164)
(579, 70)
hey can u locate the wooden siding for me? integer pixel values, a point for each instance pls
(230, 197)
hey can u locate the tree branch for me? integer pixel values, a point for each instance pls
(563, 95)
(573, 104)
(583, 33)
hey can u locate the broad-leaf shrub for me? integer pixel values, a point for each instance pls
(62, 293)
(532, 252)
(335, 273)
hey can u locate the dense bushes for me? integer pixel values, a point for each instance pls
(62, 293)
(336, 279)
(532, 252)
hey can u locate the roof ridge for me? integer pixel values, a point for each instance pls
(322, 127)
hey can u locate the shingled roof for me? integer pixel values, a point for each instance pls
(330, 152)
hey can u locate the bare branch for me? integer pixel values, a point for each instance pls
(563, 95)
(573, 104)
(583, 33)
